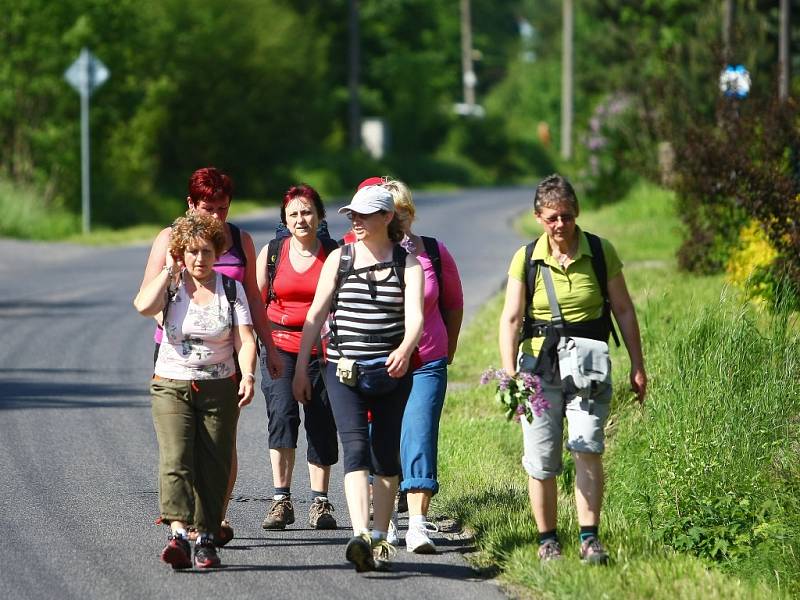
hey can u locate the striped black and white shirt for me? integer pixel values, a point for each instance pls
(369, 321)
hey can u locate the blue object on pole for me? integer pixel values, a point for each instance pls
(86, 74)
(734, 81)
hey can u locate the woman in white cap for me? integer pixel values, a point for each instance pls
(374, 289)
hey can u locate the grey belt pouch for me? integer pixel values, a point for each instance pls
(585, 367)
(373, 378)
(346, 371)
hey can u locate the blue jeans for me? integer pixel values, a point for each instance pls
(419, 439)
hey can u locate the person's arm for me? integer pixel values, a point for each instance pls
(245, 343)
(510, 323)
(452, 323)
(317, 313)
(157, 258)
(152, 296)
(625, 314)
(256, 303)
(398, 361)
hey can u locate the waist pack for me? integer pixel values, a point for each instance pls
(585, 367)
(370, 377)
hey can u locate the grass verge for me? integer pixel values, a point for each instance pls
(702, 482)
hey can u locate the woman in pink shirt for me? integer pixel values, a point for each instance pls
(443, 310)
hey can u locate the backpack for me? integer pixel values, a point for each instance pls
(432, 250)
(236, 235)
(274, 249)
(597, 328)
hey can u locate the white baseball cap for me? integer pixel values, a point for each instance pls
(370, 199)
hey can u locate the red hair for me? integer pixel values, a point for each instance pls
(302, 191)
(209, 183)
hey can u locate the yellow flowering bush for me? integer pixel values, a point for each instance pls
(749, 264)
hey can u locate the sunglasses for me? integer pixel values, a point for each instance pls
(352, 215)
(565, 218)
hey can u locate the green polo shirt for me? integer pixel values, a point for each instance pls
(576, 286)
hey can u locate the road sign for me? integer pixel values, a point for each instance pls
(86, 74)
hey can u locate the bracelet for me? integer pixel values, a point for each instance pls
(250, 375)
(169, 271)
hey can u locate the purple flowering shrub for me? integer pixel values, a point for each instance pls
(520, 395)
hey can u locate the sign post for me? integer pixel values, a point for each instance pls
(86, 74)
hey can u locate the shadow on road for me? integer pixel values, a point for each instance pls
(26, 394)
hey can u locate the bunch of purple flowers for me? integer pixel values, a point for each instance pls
(520, 395)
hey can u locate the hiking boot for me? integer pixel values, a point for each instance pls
(417, 539)
(593, 553)
(205, 553)
(280, 514)
(359, 552)
(224, 535)
(393, 534)
(177, 552)
(320, 514)
(382, 553)
(550, 550)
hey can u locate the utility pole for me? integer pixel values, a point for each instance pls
(728, 17)
(468, 74)
(784, 65)
(566, 81)
(353, 75)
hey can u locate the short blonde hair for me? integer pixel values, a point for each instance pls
(194, 226)
(554, 191)
(403, 201)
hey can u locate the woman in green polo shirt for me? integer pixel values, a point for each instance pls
(565, 250)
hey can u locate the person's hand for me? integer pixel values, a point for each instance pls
(274, 362)
(397, 363)
(176, 266)
(301, 386)
(246, 390)
(639, 383)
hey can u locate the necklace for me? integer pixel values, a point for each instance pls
(562, 258)
(207, 281)
(307, 253)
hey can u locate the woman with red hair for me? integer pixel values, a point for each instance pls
(210, 193)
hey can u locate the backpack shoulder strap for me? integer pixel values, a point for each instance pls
(601, 272)
(432, 250)
(274, 249)
(399, 255)
(531, 272)
(229, 285)
(236, 234)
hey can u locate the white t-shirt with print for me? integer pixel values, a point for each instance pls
(198, 340)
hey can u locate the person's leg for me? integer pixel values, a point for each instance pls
(586, 441)
(283, 414)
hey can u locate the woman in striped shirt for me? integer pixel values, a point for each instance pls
(374, 290)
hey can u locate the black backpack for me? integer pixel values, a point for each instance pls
(597, 328)
(274, 249)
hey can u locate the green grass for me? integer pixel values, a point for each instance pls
(703, 481)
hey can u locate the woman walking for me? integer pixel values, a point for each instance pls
(584, 274)
(288, 270)
(443, 311)
(373, 288)
(211, 193)
(196, 392)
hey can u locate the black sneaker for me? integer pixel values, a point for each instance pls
(359, 552)
(177, 552)
(320, 514)
(205, 553)
(280, 514)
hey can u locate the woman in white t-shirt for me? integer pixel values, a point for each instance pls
(196, 393)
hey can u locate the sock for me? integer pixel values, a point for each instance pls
(378, 535)
(322, 495)
(548, 535)
(281, 492)
(588, 531)
(415, 520)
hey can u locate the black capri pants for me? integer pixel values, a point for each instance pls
(378, 453)
(283, 411)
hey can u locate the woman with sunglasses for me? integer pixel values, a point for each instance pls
(376, 290)
(210, 193)
(565, 252)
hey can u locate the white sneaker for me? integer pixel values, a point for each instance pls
(417, 539)
(393, 535)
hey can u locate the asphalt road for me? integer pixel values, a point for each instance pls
(78, 456)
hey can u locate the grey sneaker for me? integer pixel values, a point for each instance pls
(359, 552)
(319, 514)
(550, 550)
(280, 514)
(593, 553)
(382, 553)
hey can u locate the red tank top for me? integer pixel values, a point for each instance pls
(294, 293)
